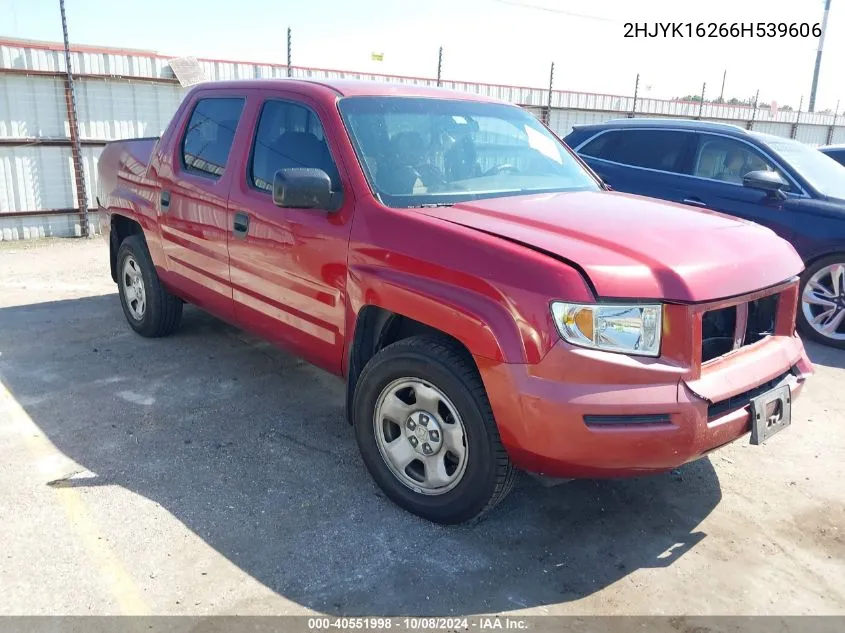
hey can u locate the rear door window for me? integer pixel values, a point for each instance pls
(209, 135)
(664, 150)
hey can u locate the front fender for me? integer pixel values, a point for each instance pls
(486, 327)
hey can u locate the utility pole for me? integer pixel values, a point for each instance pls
(551, 86)
(701, 104)
(794, 131)
(832, 127)
(754, 111)
(73, 125)
(722, 94)
(290, 72)
(636, 91)
(439, 65)
(812, 107)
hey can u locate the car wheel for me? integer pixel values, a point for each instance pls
(426, 431)
(821, 311)
(149, 308)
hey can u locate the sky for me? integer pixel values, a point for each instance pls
(495, 41)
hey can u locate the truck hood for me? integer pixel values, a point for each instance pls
(636, 247)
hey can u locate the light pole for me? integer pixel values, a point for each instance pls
(812, 107)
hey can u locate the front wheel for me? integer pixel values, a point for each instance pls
(427, 434)
(821, 311)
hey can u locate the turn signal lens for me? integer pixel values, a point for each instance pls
(631, 329)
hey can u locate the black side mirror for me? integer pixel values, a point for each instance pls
(303, 188)
(769, 181)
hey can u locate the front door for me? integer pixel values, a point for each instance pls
(288, 266)
(719, 163)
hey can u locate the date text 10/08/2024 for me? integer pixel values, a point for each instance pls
(416, 624)
(722, 30)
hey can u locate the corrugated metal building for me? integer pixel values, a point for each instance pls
(123, 93)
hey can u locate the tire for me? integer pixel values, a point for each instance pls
(822, 273)
(149, 308)
(481, 478)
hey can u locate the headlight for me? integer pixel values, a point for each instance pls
(632, 329)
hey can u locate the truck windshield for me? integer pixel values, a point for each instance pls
(422, 151)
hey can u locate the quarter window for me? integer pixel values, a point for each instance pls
(728, 160)
(654, 149)
(209, 135)
(289, 135)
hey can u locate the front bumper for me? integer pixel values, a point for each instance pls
(588, 413)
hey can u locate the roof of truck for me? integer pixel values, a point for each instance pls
(347, 88)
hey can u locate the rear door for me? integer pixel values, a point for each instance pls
(644, 161)
(289, 265)
(193, 213)
(718, 165)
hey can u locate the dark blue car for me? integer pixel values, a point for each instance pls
(792, 188)
(836, 152)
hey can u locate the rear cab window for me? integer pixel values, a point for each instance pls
(663, 150)
(209, 134)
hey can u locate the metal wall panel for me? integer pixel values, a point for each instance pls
(35, 178)
(147, 64)
(32, 107)
(126, 64)
(814, 135)
(769, 127)
(34, 226)
(733, 122)
(562, 121)
(41, 177)
(111, 109)
(90, 156)
(25, 58)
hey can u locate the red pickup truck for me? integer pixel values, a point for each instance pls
(491, 305)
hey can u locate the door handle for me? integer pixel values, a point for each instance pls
(164, 201)
(240, 225)
(695, 202)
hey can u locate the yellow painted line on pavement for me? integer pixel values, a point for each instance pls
(54, 465)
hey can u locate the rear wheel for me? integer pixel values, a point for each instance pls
(427, 433)
(821, 312)
(149, 308)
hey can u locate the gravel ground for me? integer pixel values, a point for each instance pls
(209, 473)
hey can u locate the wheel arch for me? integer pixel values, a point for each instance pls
(816, 257)
(121, 228)
(376, 328)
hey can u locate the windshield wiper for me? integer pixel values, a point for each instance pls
(431, 205)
